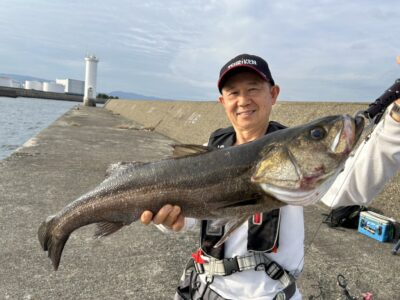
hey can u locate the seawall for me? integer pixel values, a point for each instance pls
(192, 122)
(18, 92)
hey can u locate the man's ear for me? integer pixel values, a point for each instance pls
(275, 93)
(221, 99)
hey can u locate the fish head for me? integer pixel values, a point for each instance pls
(302, 162)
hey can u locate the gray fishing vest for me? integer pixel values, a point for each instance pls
(263, 228)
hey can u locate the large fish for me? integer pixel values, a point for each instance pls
(290, 166)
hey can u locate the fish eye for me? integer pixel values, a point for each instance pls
(317, 133)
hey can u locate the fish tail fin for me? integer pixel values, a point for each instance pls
(44, 232)
(50, 243)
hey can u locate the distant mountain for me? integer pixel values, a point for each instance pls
(129, 95)
(22, 78)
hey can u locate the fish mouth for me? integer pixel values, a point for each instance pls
(291, 196)
(299, 196)
(303, 182)
(308, 181)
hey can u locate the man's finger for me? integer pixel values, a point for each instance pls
(162, 214)
(172, 216)
(146, 217)
(180, 222)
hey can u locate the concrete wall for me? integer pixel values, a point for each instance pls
(18, 92)
(192, 122)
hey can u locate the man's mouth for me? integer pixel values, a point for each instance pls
(245, 113)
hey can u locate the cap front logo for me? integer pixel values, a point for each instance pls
(243, 62)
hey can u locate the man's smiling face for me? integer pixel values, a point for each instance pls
(248, 100)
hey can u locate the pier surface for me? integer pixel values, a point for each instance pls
(70, 157)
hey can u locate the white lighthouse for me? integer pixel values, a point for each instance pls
(89, 98)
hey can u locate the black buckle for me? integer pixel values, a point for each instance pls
(231, 265)
(273, 270)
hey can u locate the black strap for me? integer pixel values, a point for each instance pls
(286, 293)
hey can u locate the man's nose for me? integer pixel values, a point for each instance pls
(244, 99)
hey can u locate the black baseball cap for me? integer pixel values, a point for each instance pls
(248, 61)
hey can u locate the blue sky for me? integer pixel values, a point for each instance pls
(317, 50)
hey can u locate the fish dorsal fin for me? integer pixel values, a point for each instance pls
(182, 150)
(232, 225)
(118, 167)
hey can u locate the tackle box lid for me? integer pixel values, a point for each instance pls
(373, 216)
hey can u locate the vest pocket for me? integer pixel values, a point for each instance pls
(264, 236)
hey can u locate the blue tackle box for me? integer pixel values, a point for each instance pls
(376, 226)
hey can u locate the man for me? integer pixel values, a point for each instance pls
(270, 244)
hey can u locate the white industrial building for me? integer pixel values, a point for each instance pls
(33, 85)
(72, 86)
(53, 87)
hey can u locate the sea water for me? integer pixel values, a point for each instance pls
(23, 118)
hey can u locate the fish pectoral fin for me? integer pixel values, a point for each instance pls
(107, 228)
(182, 150)
(232, 225)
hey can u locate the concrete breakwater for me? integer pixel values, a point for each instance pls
(18, 92)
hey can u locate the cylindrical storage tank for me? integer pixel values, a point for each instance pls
(15, 84)
(53, 87)
(5, 81)
(76, 86)
(90, 92)
(33, 85)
